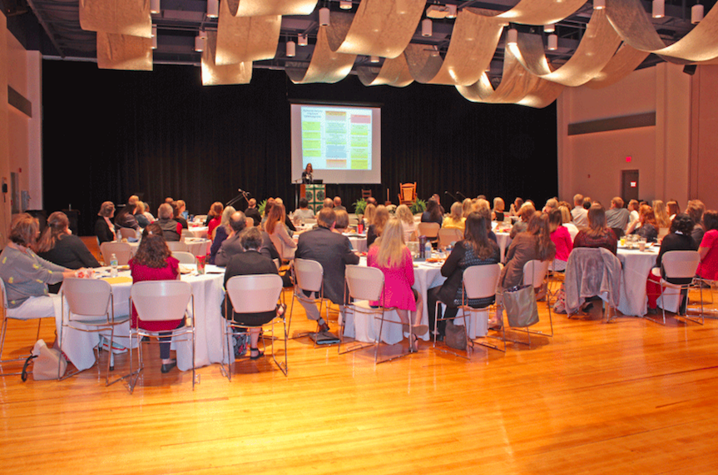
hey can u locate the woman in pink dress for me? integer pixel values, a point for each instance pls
(153, 261)
(393, 258)
(561, 237)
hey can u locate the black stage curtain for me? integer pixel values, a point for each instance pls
(110, 134)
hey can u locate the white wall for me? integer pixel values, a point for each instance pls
(591, 164)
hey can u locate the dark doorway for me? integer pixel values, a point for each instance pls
(629, 185)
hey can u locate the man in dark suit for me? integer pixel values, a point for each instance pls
(231, 246)
(253, 212)
(333, 251)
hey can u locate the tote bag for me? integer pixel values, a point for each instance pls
(520, 305)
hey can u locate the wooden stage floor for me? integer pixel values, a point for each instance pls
(626, 397)
(630, 397)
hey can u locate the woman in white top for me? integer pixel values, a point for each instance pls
(567, 221)
(407, 222)
(277, 231)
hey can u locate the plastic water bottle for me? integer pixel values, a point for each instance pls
(113, 264)
(427, 249)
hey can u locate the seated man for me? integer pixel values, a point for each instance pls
(333, 252)
(172, 229)
(231, 246)
(338, 203)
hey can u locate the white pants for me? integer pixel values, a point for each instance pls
(38, 307)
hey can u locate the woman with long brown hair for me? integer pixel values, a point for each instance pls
(597, 234)
(153, 261)
(476, 249)
(277, 231)
(646, 227)
(661, 212)
(59, 246)
(104, 228)
(214, 217)
(534, 243)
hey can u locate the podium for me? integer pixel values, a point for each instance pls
(315, 195)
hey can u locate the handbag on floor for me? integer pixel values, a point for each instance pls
(455, 336)
(520, 305)
(45, 362)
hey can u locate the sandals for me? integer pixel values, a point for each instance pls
(257, 356)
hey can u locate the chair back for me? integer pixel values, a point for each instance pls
(128, 233)
(680, 264)
(365, 283)
(309, 275)
(407, 192)
(254, 293)
(481, 281)
(535, 272)
(430, 230)
(186, 233)
(87, 297)
(122, 250)
(449, 235)
(177, 246)
(184, 257)
(158, 300)
(365, 194)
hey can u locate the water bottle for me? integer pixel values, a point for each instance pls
(113, 264)
(422, 248)
(427, 249)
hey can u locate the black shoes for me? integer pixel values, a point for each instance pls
(167, 367)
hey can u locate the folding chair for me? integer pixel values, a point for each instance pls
(309, 277)
(252, 294)
(679, 265)
(362, 285)
(177, 246)
(184, 257)
(121, 250)
(7, 314)
(91, 308)
(449, 235)
(127, 233)
(161, 300)
(479, 282)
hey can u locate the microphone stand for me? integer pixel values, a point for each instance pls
(454, 197)
(461, 194)
(237, 198)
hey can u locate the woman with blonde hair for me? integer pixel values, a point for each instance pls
(380, 218)
(467, 208)
(661, 212)
(369, 213)
(407, 222)
(568, 221)
(456, 219)
(277, 231)
(221, 233)
(393, 258)
(498, 212)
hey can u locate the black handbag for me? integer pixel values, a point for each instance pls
(455, 336)
(520, 305)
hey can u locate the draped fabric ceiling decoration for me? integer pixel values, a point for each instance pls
(471, 52)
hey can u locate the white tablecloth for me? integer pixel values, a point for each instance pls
(198, 231)
(208, 293)
(426, 276)
(198, 246)
(503, 240)
(358, 243)
(636, 267)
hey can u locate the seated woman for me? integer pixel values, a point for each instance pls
(467, 207)
(708, 268)
(568, 221)
(561, 239)
(126, 218)
(26, 275)
(497, 214)
(381, 216)
(249, 262)
(432, 213)
(516, 206)
(104, 229)
(597, 234)
(678, 239)
(304, 212)
(214, 216)
(341, 225)
(525, 214)
(533, 244)
(153, 261)
(476, 249)
(220, 233)
(140, 215)
(407, 223)
(456, 219)
(177, 208)
(368, 217)
(661, 212)
(171, 229)
(278, 232)
(59, 246)
(393, 258)
(646, 226)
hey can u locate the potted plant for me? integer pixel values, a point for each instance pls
(359, 206)
(418, 206)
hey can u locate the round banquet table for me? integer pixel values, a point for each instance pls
(636, 267)
(208, 294)
(198, 246)
(198, 231)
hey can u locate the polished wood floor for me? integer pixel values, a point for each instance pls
(625, 397)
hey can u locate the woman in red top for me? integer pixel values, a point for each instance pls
(708, 267)
(561, 237)
(393, 258)
(153, 261)
(214, 218)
